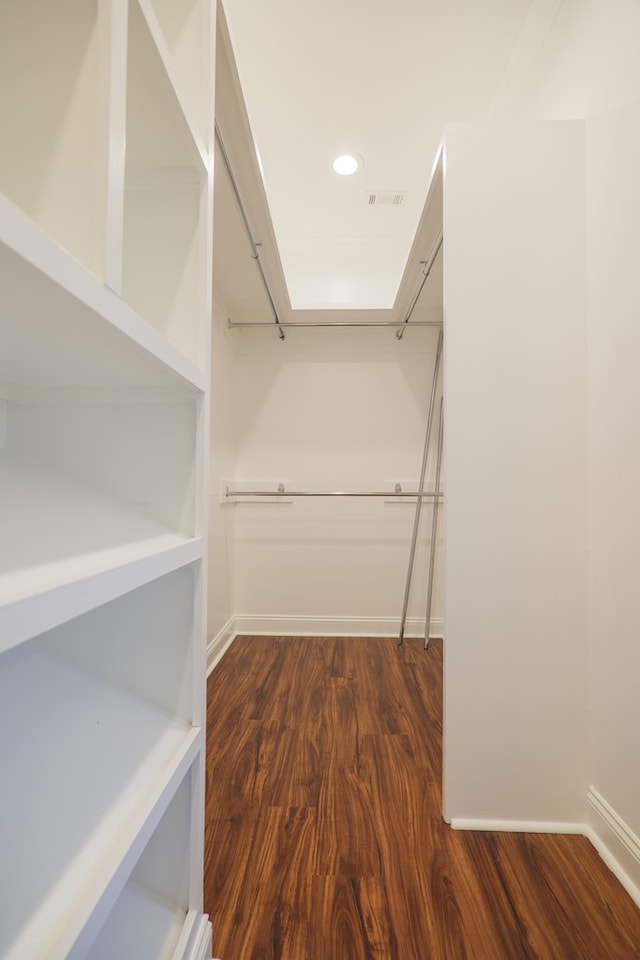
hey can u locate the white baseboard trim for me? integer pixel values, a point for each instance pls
(616, 843)
(272, 626)
(286, 626)
(519, 826)
(219, 644)
(202, 946)
(195, 939)
(612, 838)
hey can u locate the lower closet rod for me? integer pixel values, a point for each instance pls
(388, 494)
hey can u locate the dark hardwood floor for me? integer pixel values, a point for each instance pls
(324, 839)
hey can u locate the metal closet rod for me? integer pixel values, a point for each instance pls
(400, 324)
(255, 246)
(427, 268)
(282, 492)
(337, 323)
(423, 469)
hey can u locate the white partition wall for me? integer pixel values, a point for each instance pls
(104, 431)
(516, 450)
(221, 591)
(614, 473)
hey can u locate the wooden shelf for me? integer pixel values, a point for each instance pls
(105, 287)
(165, 202)
(151, 916)
(116, 573)
(57, 534)
(54, 121)
(141, 926)
(182, 36)
(92, 764)
(61, 326)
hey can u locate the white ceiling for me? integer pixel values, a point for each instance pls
(321, 77)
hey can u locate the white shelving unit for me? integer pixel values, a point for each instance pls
(105, 303)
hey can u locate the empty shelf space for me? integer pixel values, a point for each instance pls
(181, 33)
(151, 917)
(141, 926)
(53, 161)
(83, 765)
(83, 590)
(165, 203)
(61, 326)
(56, 532)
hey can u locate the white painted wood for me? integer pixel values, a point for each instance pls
(519, 826)
(186, 29)
(140, 926)
(195, 943)
(326, 626)
(202, 942)
(52, 120)
(165, 178)
(55, 838)
(142, 643)
(219, 644)
(161, 259)
(151, 917)
(223, 452)
(137, 455)
(103, 461)
(177, 36)
(85, 335)
(56, 531)
(53, 594)
(158, 135)
(115, 13)
(147, 822)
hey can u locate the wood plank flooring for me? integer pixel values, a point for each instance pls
(324, 839)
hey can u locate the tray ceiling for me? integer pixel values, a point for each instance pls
(377, 79)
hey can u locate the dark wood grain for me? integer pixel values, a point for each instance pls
(324, 838)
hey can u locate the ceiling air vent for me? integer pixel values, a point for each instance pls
(386, 198)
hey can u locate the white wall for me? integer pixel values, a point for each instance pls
(589, 67)
(588, 63)
(516, 448)
(339, 411)
(223, 449)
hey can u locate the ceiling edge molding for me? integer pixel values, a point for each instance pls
(231, 115)
(526, 50)
(429, 226)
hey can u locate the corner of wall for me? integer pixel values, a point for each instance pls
(615, 842)
(219, 644)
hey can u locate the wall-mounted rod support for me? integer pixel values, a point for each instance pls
(255, 246)
(283, 493)
(427, 268)
(335, 323)
(423, 470)
(434, 532)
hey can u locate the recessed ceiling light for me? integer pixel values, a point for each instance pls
(347, 163)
